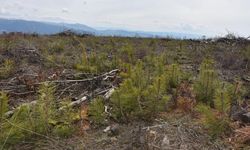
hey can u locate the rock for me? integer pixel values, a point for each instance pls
(165, 142)
(107, 129)
(246, 117)
(236, 113)
(113, 139)
(183, 147)
(112, 130)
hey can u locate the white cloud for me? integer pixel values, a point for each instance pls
(195, 16)
(2, 11)
(65, 10)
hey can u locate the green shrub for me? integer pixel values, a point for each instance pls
(127, 53)
(174, 75)
(103, 63)
(3, 104)
(40, 119)
(155, 65)
(217, 123)
(87, 64)
(124, 101)
(19, 127)
(223, 98)
(44, 111)
(56, 46)
(30, 120)
(155, 97)
(3, 108)
(139, 96)
(63, 131)
(64, 119)
(236, 92)
(96, 111)
(6, 68)
(205, 86)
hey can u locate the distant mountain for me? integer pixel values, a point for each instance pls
(7, 25)
(17, 25)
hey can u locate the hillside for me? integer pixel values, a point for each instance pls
(66, 91)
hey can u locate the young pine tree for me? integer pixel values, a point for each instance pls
(45, 110)
(223, 98)
(97, 111)
(3, 104)
(174, 76)
(216, 122)
(3, 108)
(139, 96)
(205, 86)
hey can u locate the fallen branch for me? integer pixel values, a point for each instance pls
(72, 104)
(24, 93)
(75, 103)
(155, 126)
(105, 76)
(109, 93)
(10, 113)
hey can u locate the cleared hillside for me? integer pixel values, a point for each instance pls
(84, 92)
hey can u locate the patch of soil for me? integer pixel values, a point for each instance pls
(177, 132)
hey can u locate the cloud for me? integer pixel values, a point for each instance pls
(199, 16)
(65, 10)
(2, 11)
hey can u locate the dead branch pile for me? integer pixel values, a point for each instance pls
(79, 90)
(29, 83)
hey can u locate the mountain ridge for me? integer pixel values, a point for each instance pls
(40, 27)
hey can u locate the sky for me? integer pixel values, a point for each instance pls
(206, 17)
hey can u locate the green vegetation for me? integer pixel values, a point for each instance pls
(216, 123)
(6, 68)
(56, 46)
(217, 120)
(223, 99)
(3, 104)
(174, 76)
(41, 120)
(3, 109)
(96, 111)
(140, 96)
(205, 86)
(216, 99)
(153, 75)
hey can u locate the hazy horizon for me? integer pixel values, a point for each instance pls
(194, 16)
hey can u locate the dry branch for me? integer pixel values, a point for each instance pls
(104, 76)
(78, 102)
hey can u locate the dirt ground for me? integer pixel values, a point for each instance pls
(168, 132)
